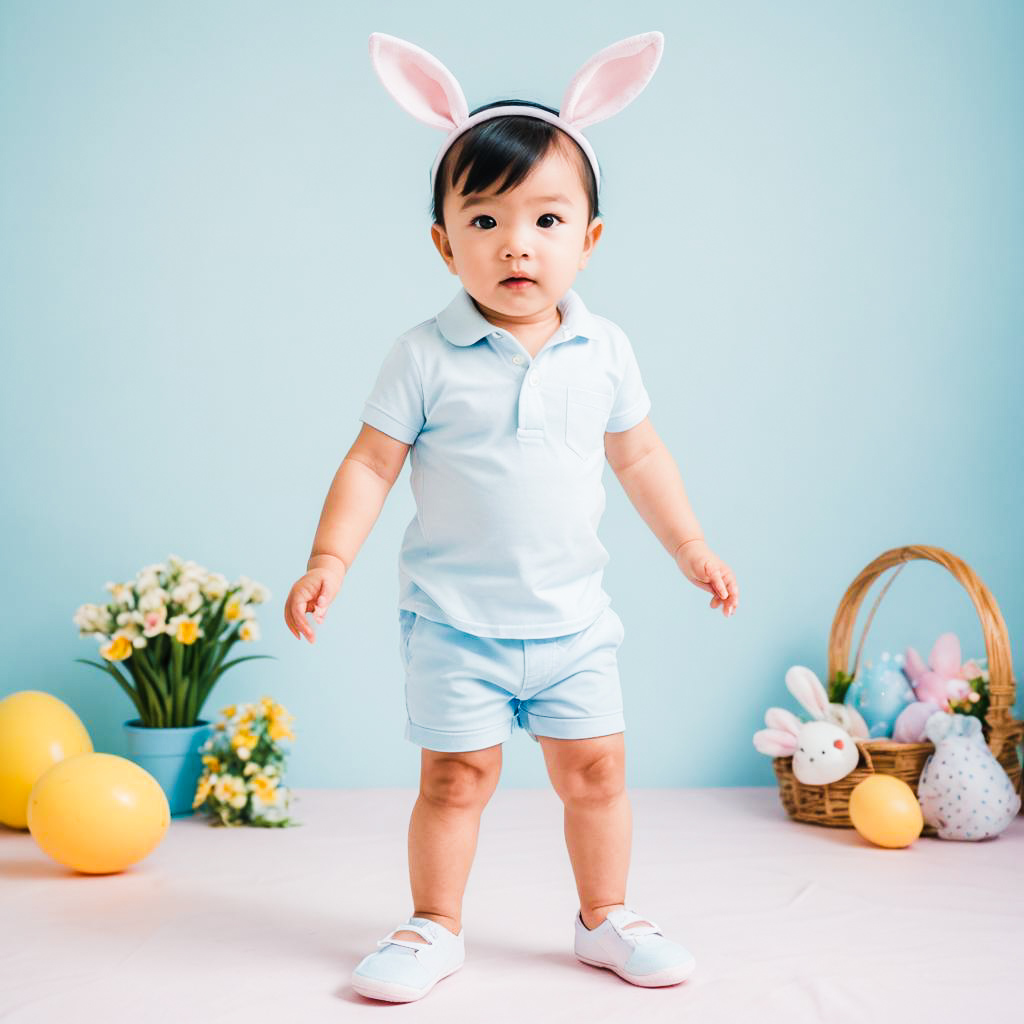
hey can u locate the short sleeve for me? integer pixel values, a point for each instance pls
(632, 403)
(395, 404)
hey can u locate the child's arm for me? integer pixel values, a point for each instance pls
(353, 504)
(650, 477)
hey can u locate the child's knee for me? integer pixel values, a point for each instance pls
(598, 781)
(460, 779)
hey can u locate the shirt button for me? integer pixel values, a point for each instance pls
(517, 359)
(535, 379)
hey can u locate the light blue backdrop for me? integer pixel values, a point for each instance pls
(215, 222)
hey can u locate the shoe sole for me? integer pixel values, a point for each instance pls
(669, 976)
(391, 991)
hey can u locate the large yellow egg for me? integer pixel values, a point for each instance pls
(37, 730)
(885, 811)
(98, 813)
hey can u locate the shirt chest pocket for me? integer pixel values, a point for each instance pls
(586, 416)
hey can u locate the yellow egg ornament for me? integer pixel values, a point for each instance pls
(98, 813)
(885, 811)
(37, 730)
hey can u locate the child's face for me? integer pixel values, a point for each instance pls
(538, 229)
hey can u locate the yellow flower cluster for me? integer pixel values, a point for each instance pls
(234, 747)
(243, 719)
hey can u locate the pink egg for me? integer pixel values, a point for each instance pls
(909, 726)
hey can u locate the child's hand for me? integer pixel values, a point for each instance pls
(313, 593)
(707, 571)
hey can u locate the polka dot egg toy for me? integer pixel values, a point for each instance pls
(964, 791)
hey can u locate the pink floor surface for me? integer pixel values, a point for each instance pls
(788, 922)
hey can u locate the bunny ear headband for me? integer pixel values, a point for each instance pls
(425, 88)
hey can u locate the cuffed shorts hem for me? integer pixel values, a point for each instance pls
(575, 728)
(452, 742)
(535, 725)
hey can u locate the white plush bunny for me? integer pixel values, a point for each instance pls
(822, 751)
(807, 688)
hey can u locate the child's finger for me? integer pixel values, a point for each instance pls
(734, 593)
(713, 574)
(298, 609)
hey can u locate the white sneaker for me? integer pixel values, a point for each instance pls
(641, 955)
(402, 969)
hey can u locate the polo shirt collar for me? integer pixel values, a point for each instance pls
(463, 324)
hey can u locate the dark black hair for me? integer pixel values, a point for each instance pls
(505, 148)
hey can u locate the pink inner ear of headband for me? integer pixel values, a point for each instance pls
(610, 80)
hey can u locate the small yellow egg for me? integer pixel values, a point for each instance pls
(885, 811)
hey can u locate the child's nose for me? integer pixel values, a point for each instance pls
(515, 243)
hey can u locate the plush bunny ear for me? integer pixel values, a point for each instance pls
(945, 656)
(913, 664)
(782, 720)
(611, 79)
(418, 82)
(775, 743)
(851, 720)
(807, 688)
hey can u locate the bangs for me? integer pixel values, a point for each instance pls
(504, 150)
(501, 153)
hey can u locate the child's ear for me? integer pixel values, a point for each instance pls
(440, 239)
(590, 240)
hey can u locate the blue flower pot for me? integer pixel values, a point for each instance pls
(172, 757)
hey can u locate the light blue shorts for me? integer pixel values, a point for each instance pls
(467, 692)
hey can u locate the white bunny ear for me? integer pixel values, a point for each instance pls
(783, 720)
(807, 688)
(611, 79)
(418, 82)
(851, 720)
(774, 743)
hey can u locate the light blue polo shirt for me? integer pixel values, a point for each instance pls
(506, 464)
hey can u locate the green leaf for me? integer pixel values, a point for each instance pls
(121, 681)
(248, 657)
(150, 700)
(217, 621)
(222, 649)
(838, 687)
(176, 682)
(155, 684)
(211, 682)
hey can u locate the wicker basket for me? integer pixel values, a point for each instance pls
(829, 805)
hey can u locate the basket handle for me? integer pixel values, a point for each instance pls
(997, 641)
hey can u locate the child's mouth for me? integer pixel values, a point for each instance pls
(517, 283)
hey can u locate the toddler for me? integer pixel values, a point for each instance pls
(510, 399)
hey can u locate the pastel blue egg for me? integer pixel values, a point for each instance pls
(880, 692)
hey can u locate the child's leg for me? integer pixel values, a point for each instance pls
(454, 789)
(589, 776)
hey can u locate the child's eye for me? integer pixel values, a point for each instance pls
(493, 222)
